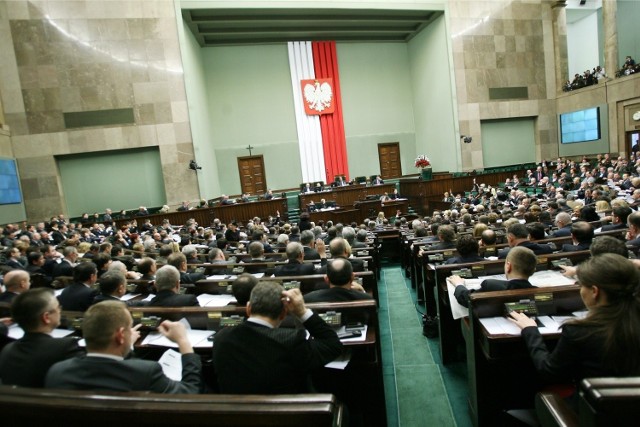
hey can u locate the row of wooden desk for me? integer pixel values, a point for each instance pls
(360, 212)
(346, 196)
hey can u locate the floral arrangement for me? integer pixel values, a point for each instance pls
(422, 162)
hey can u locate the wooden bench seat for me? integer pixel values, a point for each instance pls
(29, 406)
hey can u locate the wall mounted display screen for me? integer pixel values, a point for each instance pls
(9, 183)
(580, 126)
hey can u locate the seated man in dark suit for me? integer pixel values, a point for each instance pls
(563, 221)
(168, 286)
(295, 265)
(518, 235)
(113, 285)
(65, 266)
(257, 357)
(179, 261)
(518, 267)
(308, 242)
(339, 248)
(241, 288)
(340, 279)
(79, 295)
(619, 215)
(256, 251)
(582, 235)
(467, 248)
(25, 362)
(108, 330)
(15, 282)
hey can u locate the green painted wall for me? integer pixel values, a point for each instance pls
(628, 17)
(508, 141)
(433, 98)
(195, 78)
(377, 103)
(250, 102)
(132, 178)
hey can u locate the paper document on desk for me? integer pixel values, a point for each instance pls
(548, 278)
(198, 339)
(341, 362)
(16, 332)
(171, 363)
(208, 300)
(149, 297)
(458, 311)
(127, 297)
(222, 277)
(503, 326)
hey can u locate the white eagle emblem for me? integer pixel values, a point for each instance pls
(318, 96)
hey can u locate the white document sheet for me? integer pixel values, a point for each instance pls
(504, 326)
(171, 363)
(458, 311)
(198, 339)
(127, 297)
(208, 300)
(16, 332)
(341, 362)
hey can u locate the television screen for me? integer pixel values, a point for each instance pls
(9, 183)
(580, 126)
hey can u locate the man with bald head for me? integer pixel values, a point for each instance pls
(15, 282)
(340, 248)
(340, 279)
(519, 266)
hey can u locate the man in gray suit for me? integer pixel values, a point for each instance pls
(108, 330)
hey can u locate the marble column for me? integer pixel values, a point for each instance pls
(609, 12)
(560, 49)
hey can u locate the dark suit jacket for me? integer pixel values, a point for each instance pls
(77, 297)
(562, 232)
(7, 296)
(191, 278)
(578, 354)
(99, 373)
(537, 248)
(310, 253)
(63, 268)
(612, 227)
(572, 248)
(171, 299)
(461, 260)
(356, 264)
(255, 359)
(462, 293)
(294, 269)
(25, 362)
(336, 294)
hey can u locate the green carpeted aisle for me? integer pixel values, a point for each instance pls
(419, 390)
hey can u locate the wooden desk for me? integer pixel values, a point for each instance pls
(346, 196)
(435, 279)
(226, 213)
(339, 215)
(500, 372)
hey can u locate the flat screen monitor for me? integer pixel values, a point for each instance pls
(580, 126)
(9, 183)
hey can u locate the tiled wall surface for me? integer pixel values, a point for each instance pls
(73, 56)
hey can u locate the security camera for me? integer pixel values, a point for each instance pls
(466, 139)
(194, 166)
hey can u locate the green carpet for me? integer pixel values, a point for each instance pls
(419, 390)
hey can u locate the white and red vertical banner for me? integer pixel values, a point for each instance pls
(316, 89)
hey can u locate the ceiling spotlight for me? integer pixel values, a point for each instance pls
(466, 139)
